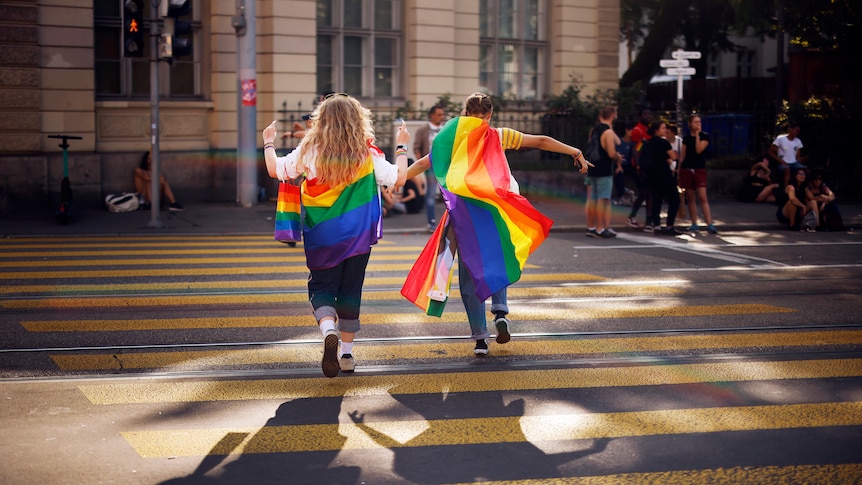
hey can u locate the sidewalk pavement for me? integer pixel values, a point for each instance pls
(225, 218)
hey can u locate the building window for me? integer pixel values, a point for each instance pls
(129, 77)
(745, 59)
(359, 47)
(512, 48)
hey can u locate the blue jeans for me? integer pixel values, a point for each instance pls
(476, 314)
(430, 196)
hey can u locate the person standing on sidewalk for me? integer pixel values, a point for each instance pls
(661, 178)
(639, 137)
(692, 173)
(341, 220)
(422, 146)
(482, 197)
(600, 178)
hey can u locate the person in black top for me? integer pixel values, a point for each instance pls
(692, 173)
(599, 178)
(660, 177)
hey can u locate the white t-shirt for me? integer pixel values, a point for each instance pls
(285, 167)
(787, 148)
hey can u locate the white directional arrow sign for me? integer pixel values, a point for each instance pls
(681, 71)
(680, 54)
(673, 63)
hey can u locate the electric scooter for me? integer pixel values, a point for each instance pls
(65, 185)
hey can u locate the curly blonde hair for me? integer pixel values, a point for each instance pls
(340, 134)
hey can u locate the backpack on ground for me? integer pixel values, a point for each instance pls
(124, 202)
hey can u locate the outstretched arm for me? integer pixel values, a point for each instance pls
(419, 166)
(544, 142)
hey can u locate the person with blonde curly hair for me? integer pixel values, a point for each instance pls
(341, 219)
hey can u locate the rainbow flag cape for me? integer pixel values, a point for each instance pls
(340, 223)
(288, 222)
(430, 279)
(495, 229)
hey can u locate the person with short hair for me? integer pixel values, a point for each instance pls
(599, 179)
(787, 151)
(475, 200)
(422, 146)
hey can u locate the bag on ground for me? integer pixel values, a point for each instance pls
(809, 222)
(124, 202)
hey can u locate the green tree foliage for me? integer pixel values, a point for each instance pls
(706, 25)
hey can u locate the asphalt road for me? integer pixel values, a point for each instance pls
(728, 359)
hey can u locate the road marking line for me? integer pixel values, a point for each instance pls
(513, 429)
(176, 261)
(519, 314)
(186, 272)
(769, 474)
(258, 298)
(566, 278)
(296, 354)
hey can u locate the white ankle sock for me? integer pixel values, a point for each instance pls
(346, 348)
(326, 324)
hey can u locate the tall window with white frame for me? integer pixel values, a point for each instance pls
(513, 48)
(117, 76)
(359, 47)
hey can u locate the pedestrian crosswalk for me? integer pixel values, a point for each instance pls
(215, 361)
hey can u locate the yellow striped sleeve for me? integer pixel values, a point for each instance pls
(510, 139)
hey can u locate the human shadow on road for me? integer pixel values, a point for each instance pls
(252, 466)
(435, 456)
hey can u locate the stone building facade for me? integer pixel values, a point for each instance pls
(52, 56)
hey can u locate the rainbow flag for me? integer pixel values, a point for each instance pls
(495, 229)
(430, 279)
(288, 222)
(340, 223)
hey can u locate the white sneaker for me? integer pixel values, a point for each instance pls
(347, 363)
(329, 364)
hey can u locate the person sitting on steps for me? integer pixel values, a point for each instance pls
(143, 184)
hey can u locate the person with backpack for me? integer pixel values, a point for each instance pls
(659, 155)
(600, 178)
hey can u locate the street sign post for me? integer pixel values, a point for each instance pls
(681, 71)
(678, 66)
(681, 54)
(673, 63)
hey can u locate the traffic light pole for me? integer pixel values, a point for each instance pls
(247, 187)
(155, 186)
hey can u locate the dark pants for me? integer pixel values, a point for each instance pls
(337, 291)
(644, 197)
(663, 187)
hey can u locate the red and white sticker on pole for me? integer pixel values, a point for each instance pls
(249, 92)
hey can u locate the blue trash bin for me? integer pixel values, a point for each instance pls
(728, 133)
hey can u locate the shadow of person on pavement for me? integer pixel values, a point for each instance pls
(495, 449)
(260, 465)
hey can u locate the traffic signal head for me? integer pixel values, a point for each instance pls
(133, 28)
(176, 37)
